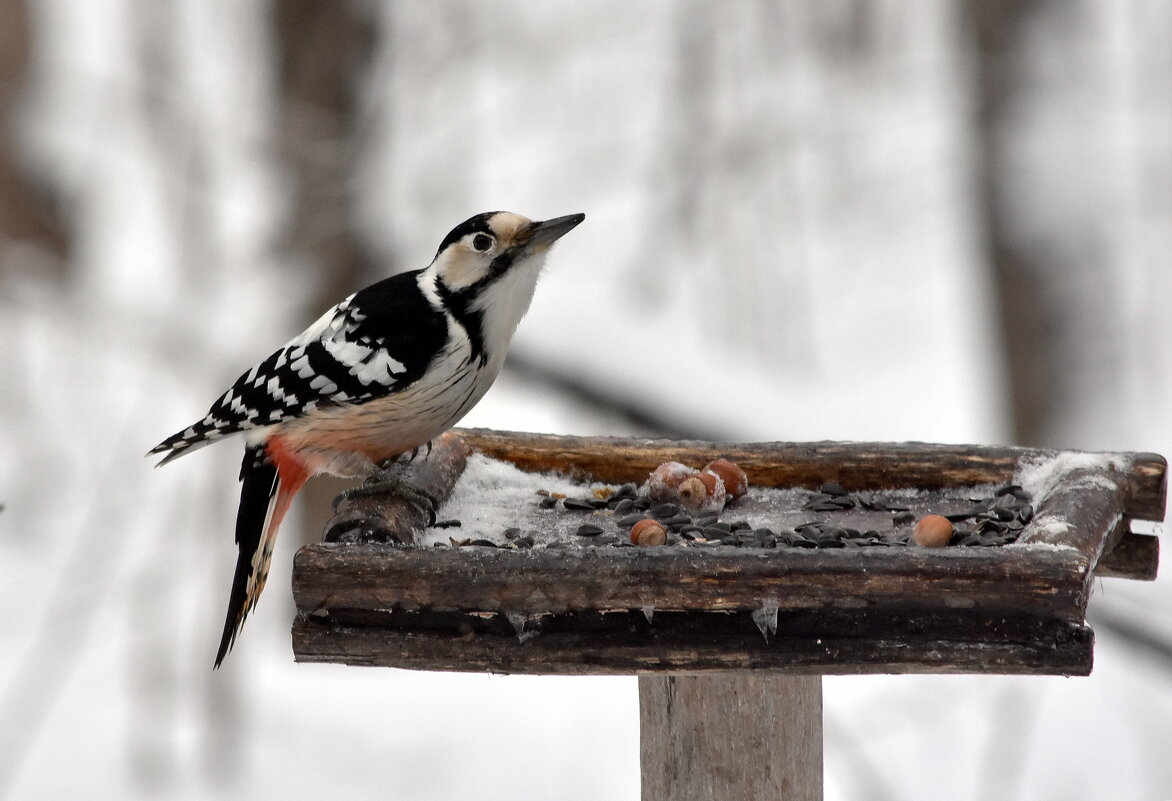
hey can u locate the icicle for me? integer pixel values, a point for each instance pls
(519, 621)
(766, 617)
(649, 611)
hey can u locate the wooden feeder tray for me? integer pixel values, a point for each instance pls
(1018, 608)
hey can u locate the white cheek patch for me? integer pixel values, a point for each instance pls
(459, 269)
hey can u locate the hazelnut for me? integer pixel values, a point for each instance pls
(932, 531)
(648, 531)
(736, 483)
(705, 490)
(664, 482)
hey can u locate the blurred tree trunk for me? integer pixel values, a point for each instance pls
(324, 54)
(25, 211)
(1048, 197)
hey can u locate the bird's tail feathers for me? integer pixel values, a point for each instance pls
(191, 439)
(265, 495)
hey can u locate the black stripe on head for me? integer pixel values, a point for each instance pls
(473, 225)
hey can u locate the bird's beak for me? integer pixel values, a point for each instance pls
(544, 233)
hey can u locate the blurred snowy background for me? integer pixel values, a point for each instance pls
(855, 219)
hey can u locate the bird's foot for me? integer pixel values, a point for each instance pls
(389, 480)
(407, 457)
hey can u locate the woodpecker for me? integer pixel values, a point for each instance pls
(377, 376)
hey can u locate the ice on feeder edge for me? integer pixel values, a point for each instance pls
(519, 621)
(766, 617)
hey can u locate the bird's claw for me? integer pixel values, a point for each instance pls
(387, 481)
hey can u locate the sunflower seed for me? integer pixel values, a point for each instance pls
(664, 510)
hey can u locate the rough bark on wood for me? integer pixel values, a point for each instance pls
(394, 517)
(740, 738)
(1135, 556)
(1084, 512)
(854, 465)
(1044, 583)
(625, 643)
(681, 610)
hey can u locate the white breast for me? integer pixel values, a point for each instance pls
(350, 440)
(504, 303)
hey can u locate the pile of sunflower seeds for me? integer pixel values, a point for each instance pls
(989, 521)
(608, 513)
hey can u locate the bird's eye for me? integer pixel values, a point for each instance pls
(482, 242)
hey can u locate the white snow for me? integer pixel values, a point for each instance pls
(1040, 476)
(489, 496)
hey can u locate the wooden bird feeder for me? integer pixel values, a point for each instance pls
(730, 642)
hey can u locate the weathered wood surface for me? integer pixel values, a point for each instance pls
(1135, 556)
(855, 465)
(1046, 582)
(625, 643)
(1006, 609)
(394, 517)
(1084, 512)
(747, 738)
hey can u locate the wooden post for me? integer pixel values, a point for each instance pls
(735, 737)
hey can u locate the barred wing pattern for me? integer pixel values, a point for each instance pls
(357, 351)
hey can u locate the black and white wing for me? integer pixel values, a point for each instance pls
(377, 341)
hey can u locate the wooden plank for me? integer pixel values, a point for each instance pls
(1084, 511)
(1042, 582)
(389, 516)
(1135, 556)
(1147, 491)
(855, 465)
(740, 738)
(847, 643)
